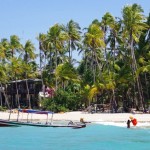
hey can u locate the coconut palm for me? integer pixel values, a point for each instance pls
(66, 73)
(43, 46)
(133, 26)
(56, 38)
(14, 44)
(9, 49)
(3, 80)
(106, 23)
(28, 56)
(73, 32)
(15, 47)
(94, 41)
(5, 53)
(143, 58)
(113, 40)
(14, 65)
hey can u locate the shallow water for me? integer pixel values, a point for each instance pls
(93, 137)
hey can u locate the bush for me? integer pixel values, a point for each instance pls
(62, 101)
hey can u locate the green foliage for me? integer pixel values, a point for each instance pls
(62, 101)
(86, 74)
(2, 108)
(66, 72)
(116, 54)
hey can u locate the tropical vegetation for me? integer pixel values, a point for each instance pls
(114, 70)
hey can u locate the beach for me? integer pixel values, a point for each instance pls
(102, 118)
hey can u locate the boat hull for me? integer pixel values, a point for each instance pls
(17, 123)
(5, 124)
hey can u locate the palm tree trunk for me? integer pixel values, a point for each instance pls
(100, 68)
(28, 94)
(93, 65)
(86, 61)
(1, 100)
(134, 69)
(50, 60)
(114, 100)
(134, 96)
(56, 86)
(17, 94)
(147, 92)
(70, 55)
(6, 99)
(1, 94)
(40, 55)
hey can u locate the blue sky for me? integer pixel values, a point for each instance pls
(28, 18)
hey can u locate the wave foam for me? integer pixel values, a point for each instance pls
(123, 124)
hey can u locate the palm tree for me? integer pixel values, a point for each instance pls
(113, 40)
(56, 38)
(94, 41)
(4, 56)
(4, 50)
(45, 51)
(15, 45)
(9, 49)
(43, 46)
(66, 73)
(73, 32)
(3, 80)
(143, 57)
(133, 26)
(28, 55)
(14, 65)
(106, 23)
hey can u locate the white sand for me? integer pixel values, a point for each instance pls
(116, 119)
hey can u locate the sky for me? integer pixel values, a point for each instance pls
(28, 18)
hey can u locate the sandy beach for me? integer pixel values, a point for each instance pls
(101, 118)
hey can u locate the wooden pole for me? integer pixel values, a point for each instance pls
(18, 116)
(52, 119)
(47, 119)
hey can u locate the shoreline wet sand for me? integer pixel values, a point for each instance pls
(76, 115)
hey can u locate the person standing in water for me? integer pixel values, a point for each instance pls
(128, 123)
(133, 120)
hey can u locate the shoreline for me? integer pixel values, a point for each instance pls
(76, 115)
(108, 119)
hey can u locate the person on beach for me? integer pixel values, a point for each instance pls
(133, 120)
(82, 120)
(128, 123)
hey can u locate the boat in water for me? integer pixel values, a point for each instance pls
(38, 124)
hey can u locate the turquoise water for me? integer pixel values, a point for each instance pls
(93, 137)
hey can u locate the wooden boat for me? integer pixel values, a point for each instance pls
(38, 124)
(18, 123)
(5, 124)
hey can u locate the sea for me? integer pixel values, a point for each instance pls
(95, 136)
